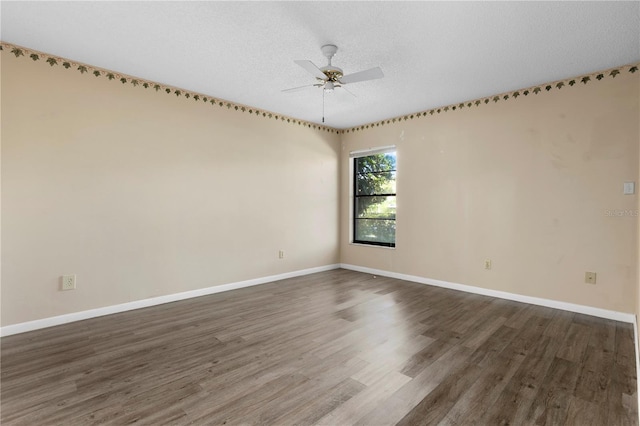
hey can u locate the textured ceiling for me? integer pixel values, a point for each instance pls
(432, 53)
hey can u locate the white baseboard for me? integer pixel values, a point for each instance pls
(581, 309)
(144, 303)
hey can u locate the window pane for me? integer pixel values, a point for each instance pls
(376, 207)
(374, 202)
(376, 163)
(374, 230)
(376, 183)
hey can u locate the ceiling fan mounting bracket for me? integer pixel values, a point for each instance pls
(329, 50)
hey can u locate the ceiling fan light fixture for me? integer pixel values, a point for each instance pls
(328, 87)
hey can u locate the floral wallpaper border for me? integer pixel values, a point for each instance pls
(556, 85)
(19, 51)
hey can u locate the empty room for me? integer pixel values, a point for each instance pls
(319, 213)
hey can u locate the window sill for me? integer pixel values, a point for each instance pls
(371, 245)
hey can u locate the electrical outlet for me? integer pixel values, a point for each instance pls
(487, 264)
(590, 277)
(68, 282)
(281, 254)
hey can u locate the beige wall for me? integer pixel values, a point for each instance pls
(525, 183)
(143, 194)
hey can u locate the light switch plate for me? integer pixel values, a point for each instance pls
(629, 188)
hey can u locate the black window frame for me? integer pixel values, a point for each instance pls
(354, 215)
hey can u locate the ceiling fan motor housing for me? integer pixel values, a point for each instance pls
(333, 73)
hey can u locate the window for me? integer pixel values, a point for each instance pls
(374, 197)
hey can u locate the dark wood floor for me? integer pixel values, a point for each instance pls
(333, 348)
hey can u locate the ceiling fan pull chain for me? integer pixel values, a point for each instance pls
(323, 105)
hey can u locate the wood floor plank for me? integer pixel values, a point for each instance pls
(551, 403)
(435, 406)
(575, 342)
(365, 400)
(586, 413)
(426, 357)
(559, 326)
(595, 377)
(489, 351)
(338, 347)
(622, 392)
(410, 395)
(393, 356)
(251, 403)
(514, 402)
(322, 403)
(484, 392)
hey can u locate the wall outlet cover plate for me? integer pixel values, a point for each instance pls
(68, 282)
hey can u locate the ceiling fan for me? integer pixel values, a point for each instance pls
(331, 77)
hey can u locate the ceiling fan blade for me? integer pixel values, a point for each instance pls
(370, 74)
(295, 89)
(348, 91)
(312, 69)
